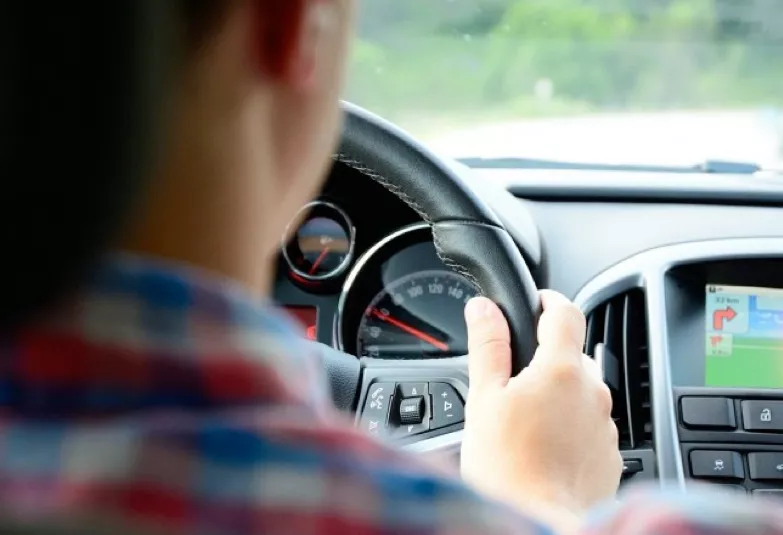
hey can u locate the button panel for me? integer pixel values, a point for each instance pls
(404, 409)
(740, 429)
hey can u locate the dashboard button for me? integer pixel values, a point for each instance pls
(767, 465)
(375, 415)
(717, 464)
(447, 406)
(708, 413)
(760, 415)
(631, 467)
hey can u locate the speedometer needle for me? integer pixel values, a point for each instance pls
(413, 331)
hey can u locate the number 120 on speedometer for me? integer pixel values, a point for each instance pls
(417, 316)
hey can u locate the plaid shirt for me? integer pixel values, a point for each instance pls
(162, 399)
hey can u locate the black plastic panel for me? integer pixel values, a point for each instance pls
(582, 239)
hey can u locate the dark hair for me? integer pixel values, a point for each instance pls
(82, 82)
(200, 16)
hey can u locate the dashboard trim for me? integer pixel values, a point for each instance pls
(760, 189)
(353, 274)
(647, 270)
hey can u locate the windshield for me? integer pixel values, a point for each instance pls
(665, 82)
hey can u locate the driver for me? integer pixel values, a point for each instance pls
(166, 396)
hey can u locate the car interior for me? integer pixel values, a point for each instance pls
(677, 276)
(678, 271)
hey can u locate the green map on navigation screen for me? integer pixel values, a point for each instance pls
(744, 337)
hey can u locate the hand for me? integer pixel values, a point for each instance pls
(543, 441)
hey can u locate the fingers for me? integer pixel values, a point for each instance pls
(561, 328)
(489, 361)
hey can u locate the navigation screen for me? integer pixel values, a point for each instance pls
(744, 337)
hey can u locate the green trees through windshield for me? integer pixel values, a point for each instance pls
(456, 60)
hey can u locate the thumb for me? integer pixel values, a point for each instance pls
(489, 349)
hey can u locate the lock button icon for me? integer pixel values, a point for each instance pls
(766, 415)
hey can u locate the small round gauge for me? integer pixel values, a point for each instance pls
(417, 316)
(322, 246)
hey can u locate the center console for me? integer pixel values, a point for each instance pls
(725, 324)
(715, 341)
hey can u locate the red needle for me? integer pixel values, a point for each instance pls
(318, 261)
(424, 337)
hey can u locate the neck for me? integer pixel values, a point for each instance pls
(207, 208)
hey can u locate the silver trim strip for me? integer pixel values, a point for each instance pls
(350, 280)
(647, 270)
(448, 443)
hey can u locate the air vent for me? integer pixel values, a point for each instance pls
(617, 338)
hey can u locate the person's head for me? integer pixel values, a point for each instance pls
(255, 119)
(215, 117)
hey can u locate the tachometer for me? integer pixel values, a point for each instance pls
(321, 248)
(417, 316)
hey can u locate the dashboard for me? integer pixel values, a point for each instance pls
(681, 279)
(365, 278)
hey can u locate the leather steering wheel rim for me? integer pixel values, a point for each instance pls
(467, 236)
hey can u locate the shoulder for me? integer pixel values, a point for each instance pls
(251, 471)
(331, 471)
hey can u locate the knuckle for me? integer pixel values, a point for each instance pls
(566, 311)
(564, 322)
(566, 372)
(491, 345)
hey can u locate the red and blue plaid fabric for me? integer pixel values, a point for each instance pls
(162, 398)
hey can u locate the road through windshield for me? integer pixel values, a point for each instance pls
(660, 82)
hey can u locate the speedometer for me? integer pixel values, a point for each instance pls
(417, 316)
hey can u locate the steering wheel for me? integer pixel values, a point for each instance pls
(468, 238)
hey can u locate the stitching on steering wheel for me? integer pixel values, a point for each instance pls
(459, 268)
(374, 175)
(358, 166)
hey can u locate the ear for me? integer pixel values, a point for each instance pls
(286, 37)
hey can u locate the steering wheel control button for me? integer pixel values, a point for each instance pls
(409, 390)
(766, 466)
(409, 430)
(717, 464)
(412, 410)
(708, 413)
(375, 415)
(447, 407)
(760, 415)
